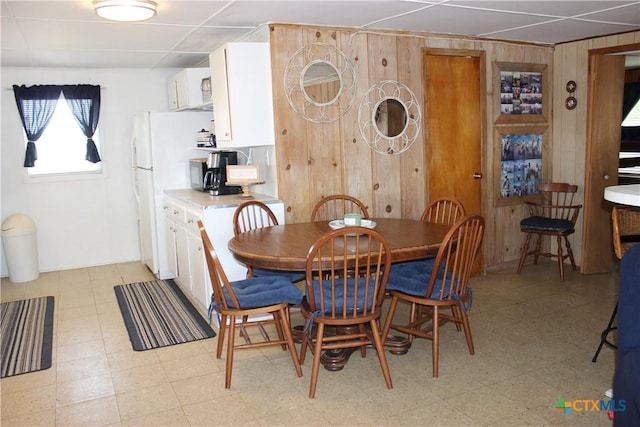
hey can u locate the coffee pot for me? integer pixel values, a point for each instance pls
(215, 179)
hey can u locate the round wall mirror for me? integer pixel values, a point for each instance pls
(389, 117)
(320, 82)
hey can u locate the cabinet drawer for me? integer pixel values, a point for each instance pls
(175, 212)
(191, 220)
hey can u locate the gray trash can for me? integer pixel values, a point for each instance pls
(20, 248)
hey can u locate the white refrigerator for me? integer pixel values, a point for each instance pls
(162, 144)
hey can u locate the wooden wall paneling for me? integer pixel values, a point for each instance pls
(357, 154)
(386, 171)
(290, 144)
(412, 166)
(323, 139)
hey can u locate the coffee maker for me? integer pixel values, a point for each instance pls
(215, 178)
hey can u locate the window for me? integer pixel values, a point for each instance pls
(66, 114)
(633, 118)
(62, 147)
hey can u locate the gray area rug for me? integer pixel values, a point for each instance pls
(158, 314)
(26, 331)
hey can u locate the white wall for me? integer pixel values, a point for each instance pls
(81, 222)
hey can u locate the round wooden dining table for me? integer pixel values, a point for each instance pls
(285, 247)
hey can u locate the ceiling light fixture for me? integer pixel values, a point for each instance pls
(125, 10)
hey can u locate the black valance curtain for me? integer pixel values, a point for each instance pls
(84, 103)
(37, 103)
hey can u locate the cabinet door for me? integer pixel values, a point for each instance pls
(182, 87)
(172, 93)
(172, 259)
(220, 93)
(199, 289)
(182, 256)
(242, 94)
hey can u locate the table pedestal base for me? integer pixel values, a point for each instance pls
(335, 360)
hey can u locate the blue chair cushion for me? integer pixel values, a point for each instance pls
(412, 277)
(540, 223)
(264, 291)
(293, 276)
(340, 303)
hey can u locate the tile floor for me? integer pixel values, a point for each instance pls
(534, 338)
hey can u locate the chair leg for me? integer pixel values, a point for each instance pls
(560, 258)
(389, 319)
(435, 350)
(286, 326)
(523, 254)
(536, 253)
(570, 253)
(467, 331)
(377, 342)
(363, 348)
(605, 333)
(221, 332)
(303, 347)
(230, 344)
(316, 361)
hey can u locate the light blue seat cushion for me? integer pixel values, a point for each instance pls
(412, 277)
(293, 276)
(339, 288)
(264, 291)
(540, 223)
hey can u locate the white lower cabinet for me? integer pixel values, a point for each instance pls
(185, 250)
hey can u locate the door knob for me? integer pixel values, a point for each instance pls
(606, 177)
(477, 175)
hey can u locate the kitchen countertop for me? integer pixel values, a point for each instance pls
(203, 200)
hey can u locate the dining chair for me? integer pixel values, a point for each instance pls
(243, 304)
(251, 215)
(349, 305)
(626, 233)
(444, 285)
(444, 210)
(335, 206)
(555, 215)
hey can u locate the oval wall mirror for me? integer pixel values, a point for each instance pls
(320, 82)
(389, 117)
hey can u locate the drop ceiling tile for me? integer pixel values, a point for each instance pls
(553, 8)
(451, 20)
(103, 36)
(547, 33)
(334, 13)
(208, 39)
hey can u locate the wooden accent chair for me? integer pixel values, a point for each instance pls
(235, 303)
(252, 215)
(344, 301)
(555, 215)
(445, 211)
(335, 206)
(444, 285)
(626, 233)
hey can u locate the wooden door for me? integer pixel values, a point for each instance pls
(453, 128)
(606, 89)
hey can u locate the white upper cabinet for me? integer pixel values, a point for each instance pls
(185, 90)
(242, 94)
